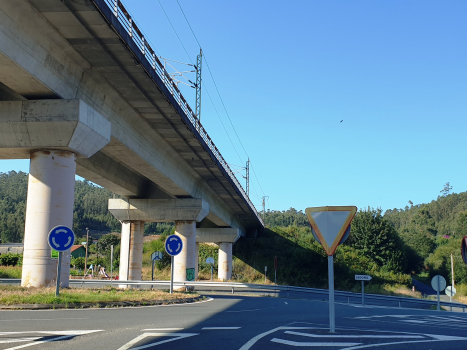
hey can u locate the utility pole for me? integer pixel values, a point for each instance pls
(199, 61)
(264, 205)
(248, 177)
(86, 256)
(452, 270)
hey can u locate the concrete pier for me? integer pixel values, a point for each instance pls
(184, 212)
(185, 262)
(131, 251)
(225, 261)
(50, 202)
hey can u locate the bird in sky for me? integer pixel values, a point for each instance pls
(342, 120)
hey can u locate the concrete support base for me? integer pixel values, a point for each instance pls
(131, 251)
(185, 262)
(225, 261)
(51, 191)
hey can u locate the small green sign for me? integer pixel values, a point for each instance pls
(54, 254)
(190, 274)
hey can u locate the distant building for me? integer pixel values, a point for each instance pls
(78, 251)
(16, 248)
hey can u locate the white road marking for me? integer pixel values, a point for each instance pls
(45, 319)
(216, 328)
(40, 342)
(244, 310)
(286, 303)
(162, 329)
(19, 340)
(294, 343)
(252, 341)
(63, 335)
(355, 336)
(414, 321)
(175, 336)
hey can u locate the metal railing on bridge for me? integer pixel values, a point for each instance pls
(139, 39)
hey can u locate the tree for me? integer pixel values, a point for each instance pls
(376, 238)
(445, 191)
(103, 244)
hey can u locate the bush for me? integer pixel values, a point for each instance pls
(11, 259)
(78, 262)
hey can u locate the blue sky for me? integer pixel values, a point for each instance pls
(289, 71)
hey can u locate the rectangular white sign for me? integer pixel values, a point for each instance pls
(362, 278)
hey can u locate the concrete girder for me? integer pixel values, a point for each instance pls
(159, 210)
(217, 235)
(69, 125)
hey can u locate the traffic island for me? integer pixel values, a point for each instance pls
(15, 298)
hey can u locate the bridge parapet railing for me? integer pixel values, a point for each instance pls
(125, 19)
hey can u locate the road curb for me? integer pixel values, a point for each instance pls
(111, 304)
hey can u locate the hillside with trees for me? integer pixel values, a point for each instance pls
(418, 239)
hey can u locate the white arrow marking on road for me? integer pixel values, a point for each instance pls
(64, 335)
(294, 343)
(55, 243)
(176, 336)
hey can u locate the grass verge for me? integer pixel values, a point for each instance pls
(10, 295)
(10, 271)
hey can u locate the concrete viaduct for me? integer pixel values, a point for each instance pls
(82, 92)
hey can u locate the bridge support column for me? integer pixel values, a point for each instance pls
(131, 251)
(185, 262)
(225, 261)
(196, 260)
(51, 191)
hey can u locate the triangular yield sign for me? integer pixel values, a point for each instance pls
(330, 224)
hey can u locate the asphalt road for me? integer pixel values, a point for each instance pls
(234, 322)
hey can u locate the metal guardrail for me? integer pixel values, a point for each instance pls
(124, 18)
(232, 286)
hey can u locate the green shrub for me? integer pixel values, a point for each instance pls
(11, 259)
(78, 263)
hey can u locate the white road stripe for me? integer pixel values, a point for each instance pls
(162, 329)
(175, 336)
(19, 340)
(39, 342)
(252, 341)
(355, 336)
(215, 328)
(294, 343)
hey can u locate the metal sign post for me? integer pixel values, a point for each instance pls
(275, 270)
(332, 305)
(265, 272)
(210, 261)
(438, 283)
(61, 238)
(173, 246)
(331, 226)
(363, 278)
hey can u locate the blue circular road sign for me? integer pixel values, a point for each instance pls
(173, 245)
(61, 238)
